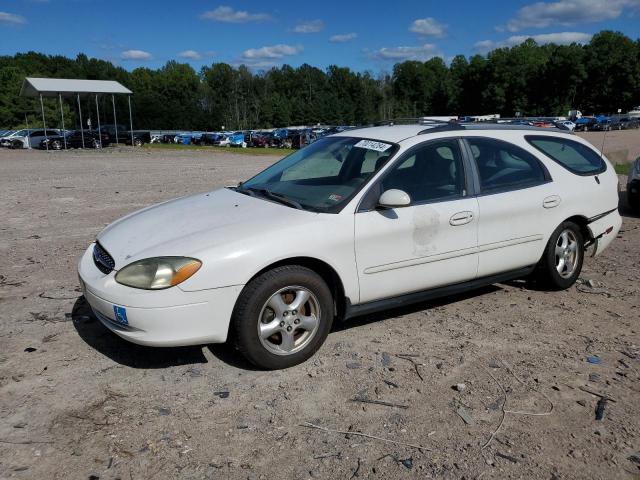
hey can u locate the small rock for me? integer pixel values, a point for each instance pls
(353, 365)
(465, 415)
(460, 387)
(494, 364)
(20, 425)
(594, 377)
(594, 359)
(386, 359)
(222, 394)
(164, 411)
(195, 372)
(591, 283)
(30, 349)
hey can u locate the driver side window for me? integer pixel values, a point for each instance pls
(433, 172)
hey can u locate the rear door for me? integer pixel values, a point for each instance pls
(517, 203)
(430, 243)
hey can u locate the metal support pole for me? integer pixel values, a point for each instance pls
(64, 136)
(130, 120)
(80, 112)
(98, 114)
(44, 124)
(115, 121)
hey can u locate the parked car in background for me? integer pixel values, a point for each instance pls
(355, 223)
(633, 186)
(236, 139)
(262, 140)
(584, 124)
(124, 135)
(5, 138)
(76, 139)
(624, 123)
(602, 124)
(565, 125)
(31, 138)
(208, 139)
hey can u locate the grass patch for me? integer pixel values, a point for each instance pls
(280, 152)
(622, 168)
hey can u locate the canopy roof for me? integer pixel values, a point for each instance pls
(51, 87)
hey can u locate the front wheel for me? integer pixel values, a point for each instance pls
(561, 262)
(282, 317)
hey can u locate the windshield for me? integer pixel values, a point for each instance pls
(323, 176)
(20, 133)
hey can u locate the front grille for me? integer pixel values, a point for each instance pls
(102, 259)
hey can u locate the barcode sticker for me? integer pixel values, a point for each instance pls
(371, 145)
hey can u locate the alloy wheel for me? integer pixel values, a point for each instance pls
(289, 320)
(567, 253)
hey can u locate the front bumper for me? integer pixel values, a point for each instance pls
(162, 318)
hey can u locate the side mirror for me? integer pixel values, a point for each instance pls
(394, 199)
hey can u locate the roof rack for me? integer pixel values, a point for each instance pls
(490, 125)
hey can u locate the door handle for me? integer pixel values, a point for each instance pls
(460, 218)
(551, 201)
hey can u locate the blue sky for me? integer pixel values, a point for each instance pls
(361, 35)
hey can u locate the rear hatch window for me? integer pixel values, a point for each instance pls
(572, 155)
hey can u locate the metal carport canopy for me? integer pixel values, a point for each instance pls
(57, 87)
(52, 87)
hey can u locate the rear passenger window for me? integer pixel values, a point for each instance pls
(573, 156)
(503, 166)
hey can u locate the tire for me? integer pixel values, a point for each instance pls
(95, 143)
(137, 142)
(266, 303)
(56, 145)
(555, 271)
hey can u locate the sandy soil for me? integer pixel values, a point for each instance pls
(78, 402)
(620, 146)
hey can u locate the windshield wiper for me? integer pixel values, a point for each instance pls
(278, 197)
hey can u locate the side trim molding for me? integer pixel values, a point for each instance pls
(454, 253)
(399, 301)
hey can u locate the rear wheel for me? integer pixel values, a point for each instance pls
(56, 145)
(561, 262)
(137, 142)
(282, 317)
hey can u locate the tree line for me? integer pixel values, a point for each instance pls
(599, 77)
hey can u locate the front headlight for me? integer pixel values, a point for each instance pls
(158, 273)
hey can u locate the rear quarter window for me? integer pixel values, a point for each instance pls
(572, 155)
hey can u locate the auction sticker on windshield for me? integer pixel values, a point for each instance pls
(371, 145)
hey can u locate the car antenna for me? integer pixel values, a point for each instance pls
(604, 137)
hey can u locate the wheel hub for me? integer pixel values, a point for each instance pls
(289, 320)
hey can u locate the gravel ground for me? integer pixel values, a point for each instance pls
(78, 402)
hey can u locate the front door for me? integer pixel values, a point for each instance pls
(430, 243)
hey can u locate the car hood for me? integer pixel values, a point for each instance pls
(189, 225)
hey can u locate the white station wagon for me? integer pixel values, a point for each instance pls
(356, 222)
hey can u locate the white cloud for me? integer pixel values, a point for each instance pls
(273, 52)
(421, 53)
(136, 55)
(229, 15)
(341, 38)
(428, 27)
(560, 38)
(190, 55)
(267, 57)
(312, 26)
(11, 19)
(568, 12)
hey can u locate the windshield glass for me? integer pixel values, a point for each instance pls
(20, 133)
(325, 175)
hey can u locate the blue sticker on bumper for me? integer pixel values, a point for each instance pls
(120, 314)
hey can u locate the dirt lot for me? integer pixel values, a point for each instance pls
(76, 402)
(620, 146)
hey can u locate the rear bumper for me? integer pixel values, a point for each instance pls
(604, 230)
(163, 318)
(633, 193)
